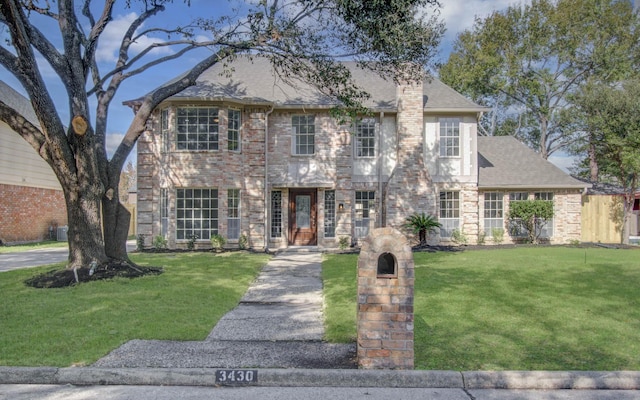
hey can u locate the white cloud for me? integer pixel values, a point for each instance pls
(111, 39)
(112, 142)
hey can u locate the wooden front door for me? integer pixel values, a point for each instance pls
(302, 217)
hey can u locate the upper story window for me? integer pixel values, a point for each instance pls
(233, 130)
(197, 128)
(449, 137)
(303, 134)
(366, 138)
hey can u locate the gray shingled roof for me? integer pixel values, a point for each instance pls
(255, 82)
(18, 102)
(505, 163)
(604, 188)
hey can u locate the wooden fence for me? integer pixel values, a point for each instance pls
(602, 218)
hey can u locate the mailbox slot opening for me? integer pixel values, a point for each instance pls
(387, 266)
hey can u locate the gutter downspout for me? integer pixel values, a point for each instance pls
(267, 189)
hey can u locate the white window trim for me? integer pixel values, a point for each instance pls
(356, 147)
(294, 137)
(439, 130)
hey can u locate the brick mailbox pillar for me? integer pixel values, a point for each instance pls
(385, 301)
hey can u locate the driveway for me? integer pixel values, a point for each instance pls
(35, 258)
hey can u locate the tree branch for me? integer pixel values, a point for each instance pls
(96, 29)
(24, 128)
(151, 101)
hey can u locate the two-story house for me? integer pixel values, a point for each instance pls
(248, 156)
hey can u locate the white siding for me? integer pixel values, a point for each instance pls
(21, 165)
(452, 169)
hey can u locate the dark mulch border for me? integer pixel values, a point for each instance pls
(69, 277)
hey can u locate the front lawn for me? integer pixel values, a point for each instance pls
(545, 308)
(78, 325)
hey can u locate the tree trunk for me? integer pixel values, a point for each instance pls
(423, 236)
(85, 238)
(544, 151)
(116, 219)
(593, 162)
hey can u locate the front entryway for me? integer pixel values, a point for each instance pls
(303, 217)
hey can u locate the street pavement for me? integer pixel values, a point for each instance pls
(68, 392)
(276, 332)
(33, 258)
(38, 257)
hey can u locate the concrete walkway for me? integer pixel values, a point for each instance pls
(278, 324)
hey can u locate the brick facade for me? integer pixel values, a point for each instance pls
(406, 174)
(26, 213)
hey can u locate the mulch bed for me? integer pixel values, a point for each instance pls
(110, 270)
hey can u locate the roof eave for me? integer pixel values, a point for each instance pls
(456, 110)
(504, 186)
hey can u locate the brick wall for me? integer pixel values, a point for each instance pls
(385, 302)
(221, 169)
(27, 212)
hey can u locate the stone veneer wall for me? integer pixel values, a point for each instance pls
(410, 189)
(568, 216)
(27, 212)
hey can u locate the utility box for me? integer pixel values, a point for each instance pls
(385, 301)
(61, 233)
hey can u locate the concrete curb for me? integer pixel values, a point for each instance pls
(537, 380)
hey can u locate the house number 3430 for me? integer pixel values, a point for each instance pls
(236, 376)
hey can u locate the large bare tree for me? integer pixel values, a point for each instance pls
(302, 38)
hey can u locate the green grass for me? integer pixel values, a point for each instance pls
(32, 246)
(518, 309)
(78, 325)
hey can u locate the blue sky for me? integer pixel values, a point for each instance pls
(457, 15)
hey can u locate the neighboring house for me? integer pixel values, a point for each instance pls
(32, 204)
(249, 155)
(603, 212)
